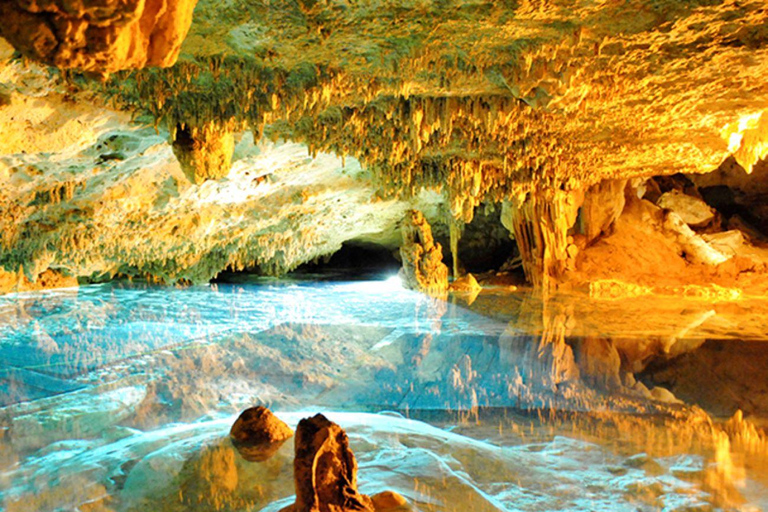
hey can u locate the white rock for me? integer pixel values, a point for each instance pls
(727, 242)
(693, 211)
(664, 395)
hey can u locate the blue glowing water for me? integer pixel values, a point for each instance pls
(113, 395)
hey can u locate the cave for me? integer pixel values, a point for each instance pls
(336, 256)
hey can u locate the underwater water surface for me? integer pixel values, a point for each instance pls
(120, 397)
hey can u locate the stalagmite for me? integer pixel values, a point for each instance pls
(423, 267)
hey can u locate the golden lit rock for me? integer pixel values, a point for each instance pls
(98, 37)
(204, 153)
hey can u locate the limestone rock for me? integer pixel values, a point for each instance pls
(204, 153)
(325, 470)
(388, 500)
(696, 249)
(423, 267)
(727, 242)
(258, 434)
(603, 203)
(540, 221)
(48, 279)
(694, 212)
(99, 37)
(466, 284)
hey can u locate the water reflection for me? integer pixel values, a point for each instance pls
(122, 396)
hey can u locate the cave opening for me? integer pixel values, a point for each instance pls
(354, 260)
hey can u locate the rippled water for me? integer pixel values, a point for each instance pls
(120, 397)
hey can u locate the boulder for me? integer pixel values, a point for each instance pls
(727, 242)
(694, 211)
(258, 434)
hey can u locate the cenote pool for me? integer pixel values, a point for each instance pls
(120, 397)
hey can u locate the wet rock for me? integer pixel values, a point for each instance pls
(325, 470)
(257, 434)
(388, 500)
(204, 153)
(694, 211)
(467, 287)
(47, 279)
(466, 284)
(215, 478)
(98, 36)
(423, 267)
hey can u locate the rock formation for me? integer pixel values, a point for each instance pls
(556, 122)
(540, 223)
(204, 153)
(98, 37)
(422, 258)
(325, 470)
(258, 434)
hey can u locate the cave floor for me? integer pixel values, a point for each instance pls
(120, 396)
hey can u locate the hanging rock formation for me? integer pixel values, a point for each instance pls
(204, 153)
(99, 37)
(258, 434)
(325, 470)
(423, 267)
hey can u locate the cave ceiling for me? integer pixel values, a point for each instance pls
(482, 96)
(476, 101)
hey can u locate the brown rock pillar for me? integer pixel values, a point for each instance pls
(423, 268)
(325, 470)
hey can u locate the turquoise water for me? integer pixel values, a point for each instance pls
(114, 397)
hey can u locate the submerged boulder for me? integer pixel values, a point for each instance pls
(258, 434)
(423, 268)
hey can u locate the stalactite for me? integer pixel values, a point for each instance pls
(455, 229)
(540, 221)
